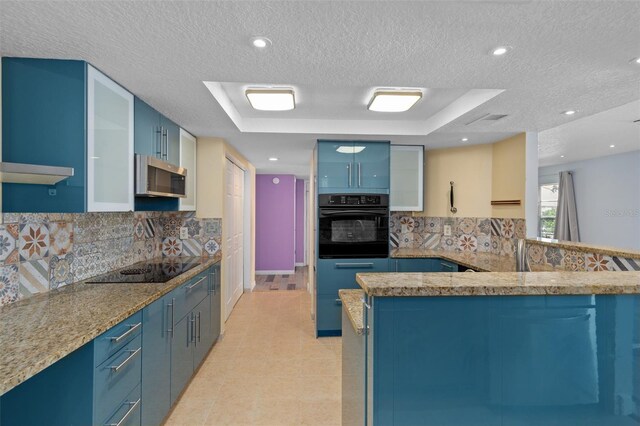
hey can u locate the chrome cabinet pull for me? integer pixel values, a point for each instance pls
(132, 407)
(196, 283)
(365, 304)
(116, 368)
(199, 326)
(359, 175)
(166, 144)
(192, 325)
(172, 306)
(213, 283)
(353, 265)
(349, 173)
(159, 142)
(132, 328)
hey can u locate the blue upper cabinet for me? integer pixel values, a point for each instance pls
(353, 166)
(155, 134)
(67, 113)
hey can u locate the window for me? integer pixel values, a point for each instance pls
(547, 212)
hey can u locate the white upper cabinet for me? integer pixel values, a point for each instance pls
(109, 144)
(407, 178)
(188, 161)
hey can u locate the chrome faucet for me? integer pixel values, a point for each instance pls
(522, 262)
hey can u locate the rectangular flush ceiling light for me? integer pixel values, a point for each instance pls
(271, 99)
(350, 149)
(390, 101)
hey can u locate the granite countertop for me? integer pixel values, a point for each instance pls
(498, 283)
(352, 304)
(484, 262)
(37, 332)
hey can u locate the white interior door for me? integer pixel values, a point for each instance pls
(233, 235)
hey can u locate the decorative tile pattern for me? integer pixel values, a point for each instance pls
(60, 238)
(468, 243)
(432, 225)
(496, 227)
(406, 239)
(467, 225)
(483, 227)
(625, 264)
(171, 247)
(211, 247)
(431, 241)
(138, 230)
(9, 284)
(194, 228)
(574, 260)
(394, 239)
(61, 271)
(520, 228)
(34, 277)
(508, 228)
(448, 243)
(536, 255)
(553, 256)
(598, 262)
(507, 247)
(170, 226)
(484, 243)
(9, 237)
(406, 224)
(34, 241)
(191, 247)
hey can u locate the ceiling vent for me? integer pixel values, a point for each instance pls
(488, 117)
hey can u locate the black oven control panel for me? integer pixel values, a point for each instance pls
(368, 200)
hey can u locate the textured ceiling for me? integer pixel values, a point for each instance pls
(592, 136)
(566, 55)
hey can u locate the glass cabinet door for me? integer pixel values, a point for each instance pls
(109, 144)
(407, 169)
(188, 161)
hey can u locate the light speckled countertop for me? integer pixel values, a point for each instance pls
(36, 332)
(352, 304)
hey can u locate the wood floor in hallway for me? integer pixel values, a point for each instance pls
(269, 369)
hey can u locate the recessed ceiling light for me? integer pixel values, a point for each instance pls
(562, 156)
(260, 42)
(500, 50)
(271, 99)
(393, 101)
(612, 146)
(273, 158)
(569, 112)
(350, 149)
(465, 139)
(635, 61)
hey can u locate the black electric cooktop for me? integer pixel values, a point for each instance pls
(155, 271)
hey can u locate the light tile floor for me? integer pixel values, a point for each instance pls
(295, 281)
(269, 369)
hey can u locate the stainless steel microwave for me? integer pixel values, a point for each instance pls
(157, 178)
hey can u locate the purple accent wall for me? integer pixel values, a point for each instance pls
(275, 223)
(299, 221)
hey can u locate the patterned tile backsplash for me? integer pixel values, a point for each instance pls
(41, 252)
(578, 260)
(468, 234)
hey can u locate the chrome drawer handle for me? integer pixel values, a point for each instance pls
(115, 368)
(365, 304)
(172, 305)
(133, 406)
(196, 284)
(338, 301)
(353, 265)
(132, 328)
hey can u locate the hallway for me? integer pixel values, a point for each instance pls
(295, 281)
(269, 369)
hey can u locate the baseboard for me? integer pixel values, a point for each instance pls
(301, 264)
(283, 272)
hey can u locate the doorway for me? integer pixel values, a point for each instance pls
(233, 235)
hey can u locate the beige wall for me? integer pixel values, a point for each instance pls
(481, 173)
(470, 169)
(508, 177)
(210, 187)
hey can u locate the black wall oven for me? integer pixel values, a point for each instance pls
(353, 226)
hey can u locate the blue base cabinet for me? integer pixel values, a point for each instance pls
(332, 275)
(353, 167)
(131, 374)
(503, 360)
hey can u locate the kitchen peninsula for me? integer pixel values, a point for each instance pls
(552, 347)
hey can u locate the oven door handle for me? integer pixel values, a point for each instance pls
(352, 212)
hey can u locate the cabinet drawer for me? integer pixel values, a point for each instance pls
(189, 295)
(128, 411)
(336, 274)
(112, 340)
(328, 313)
(117, 377)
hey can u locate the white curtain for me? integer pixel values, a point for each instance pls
(566, 213)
